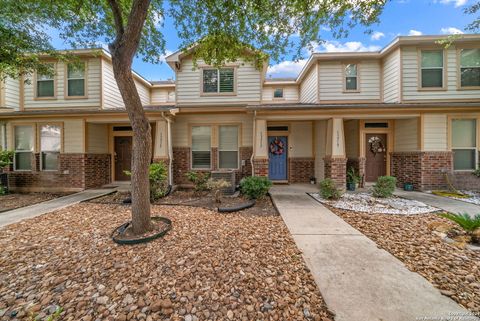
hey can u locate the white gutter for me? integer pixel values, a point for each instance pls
(170, 149)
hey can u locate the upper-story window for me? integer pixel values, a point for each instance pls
(50, 142)
(431, 69)
(470, 67)
(351, 77)
(46, 85)
(76, 80)
(23, 148)
(464, 144)
(218, 80)
(278, 93)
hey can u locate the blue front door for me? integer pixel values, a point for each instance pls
(277, 155)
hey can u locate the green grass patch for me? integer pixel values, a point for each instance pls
(450, 194)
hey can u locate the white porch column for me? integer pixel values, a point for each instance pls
(160, 151)
(260, 150)
(335, 159)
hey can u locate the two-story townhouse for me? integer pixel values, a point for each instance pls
(411, 110)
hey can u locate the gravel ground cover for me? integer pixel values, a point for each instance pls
(454, 271)
(17, 200)
(366, 203)
(201, 199)
(210, 266)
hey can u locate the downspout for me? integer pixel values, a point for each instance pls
(170, 149)
(254, 141)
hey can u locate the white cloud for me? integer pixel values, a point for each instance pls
(457, 3)
(286, 68)
(377, 35)
(350, 46)
(414, 32)
(451, 31)
(164, 56)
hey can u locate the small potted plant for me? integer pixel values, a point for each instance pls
(408, 186)
(352, 179)
(313, 180)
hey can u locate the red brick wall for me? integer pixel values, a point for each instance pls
(300, 169)
(261, 167)
(426, 170)
(76, 172)
(336, 169)
(466, 181)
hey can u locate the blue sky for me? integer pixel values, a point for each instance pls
(400, 17)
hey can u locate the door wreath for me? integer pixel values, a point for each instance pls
(277, 146)
(376, 145)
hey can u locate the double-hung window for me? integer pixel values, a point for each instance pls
(470, 67)
(351, 77)
(23, 148)
(76, 80)
(228, 147)
(218, 80)
(464, 144)
(201, 147)
(50, 143)
(46, 85)
(431, 69)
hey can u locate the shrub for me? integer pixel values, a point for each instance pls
(466, 222)
(384, 187)
(6, 158)
(328, 190)
(199, 179)
(158, 175)
(352, 176)
(476, 172)
(255, 187)
(216, 186)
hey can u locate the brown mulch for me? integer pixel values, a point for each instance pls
(200, 199)
(454, 271)
(210, 266)
(17, 200)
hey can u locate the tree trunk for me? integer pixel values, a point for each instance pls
(142, 146)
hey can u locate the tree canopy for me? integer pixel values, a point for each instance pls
(221, 29)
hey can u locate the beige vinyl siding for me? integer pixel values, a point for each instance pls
(97, 138)
(300, 139)
(143, 92)
(406, 135)
(111, 94)
(11, 93)
(309, 86)
(410, 78)
(435, 132)
(351, 129)
(163, 95)
(290, 93)
(181, 126)
(331, 81)
(320, 148)
(391, 77)
(73, 136)
(92, 89)
(189, 85)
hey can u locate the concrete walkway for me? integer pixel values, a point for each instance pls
(444, 203)
(22, 213)
(358, 281)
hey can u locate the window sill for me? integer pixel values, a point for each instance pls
(218, 94)
(75, 97)
(469, 88)
(45, 98)
(432, 89)
(351, 91)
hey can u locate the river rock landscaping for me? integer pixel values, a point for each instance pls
(453, 268)
(366, 203)
(16, 200)
(210, 266)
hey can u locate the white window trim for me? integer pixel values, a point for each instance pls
(32, 152)
(475, 148)
(54, 79)
(49, 151)
(281, 97)
(232, 150)
(218, 93)
(459, 75)
(420, 69)
(85, 87)
(191, 148)
(357, 76)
